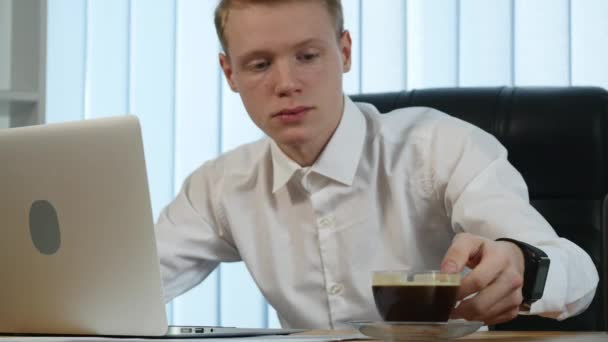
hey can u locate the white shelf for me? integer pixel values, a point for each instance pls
(22, 62)
(18, 96)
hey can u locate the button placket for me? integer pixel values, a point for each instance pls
(325, 223)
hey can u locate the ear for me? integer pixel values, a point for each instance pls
(228, 72)
(345, 49)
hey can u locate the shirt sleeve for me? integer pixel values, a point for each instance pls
(485, 195)
(190, 238)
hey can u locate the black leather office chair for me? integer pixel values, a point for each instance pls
(558, 139)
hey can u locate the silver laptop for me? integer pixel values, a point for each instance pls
(77, 252)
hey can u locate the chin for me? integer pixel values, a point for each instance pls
(292, 139)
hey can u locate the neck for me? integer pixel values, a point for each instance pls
(303, 155)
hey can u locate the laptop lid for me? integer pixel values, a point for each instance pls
(77, 252)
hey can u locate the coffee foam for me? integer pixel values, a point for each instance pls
(424, 279)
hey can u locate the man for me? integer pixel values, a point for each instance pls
(338, 190)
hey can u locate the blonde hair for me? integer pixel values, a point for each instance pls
(334, 8)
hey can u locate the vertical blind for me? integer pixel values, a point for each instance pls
(158, 59)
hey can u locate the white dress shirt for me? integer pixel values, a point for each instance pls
(388, 192)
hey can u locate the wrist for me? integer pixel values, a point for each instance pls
(517, 256)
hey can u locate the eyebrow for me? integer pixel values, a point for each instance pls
(308, 42)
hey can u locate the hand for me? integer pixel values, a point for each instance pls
(496, 278)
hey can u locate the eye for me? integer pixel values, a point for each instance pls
(258, 65)
(307, 57)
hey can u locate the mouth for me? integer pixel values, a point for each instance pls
(292, 112)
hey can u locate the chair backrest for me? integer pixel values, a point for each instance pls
(558, 139)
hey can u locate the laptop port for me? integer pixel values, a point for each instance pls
(185, 330)
(199, 330)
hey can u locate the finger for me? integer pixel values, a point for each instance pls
(506, 316)
(487, 271)
(512, 298)
(500, 296)
(464, 247)
(511, 302)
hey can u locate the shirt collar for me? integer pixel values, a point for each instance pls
(340, 157)
(282, 167)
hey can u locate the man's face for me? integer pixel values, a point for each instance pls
(286, 63)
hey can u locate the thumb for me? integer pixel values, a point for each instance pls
(464, 247)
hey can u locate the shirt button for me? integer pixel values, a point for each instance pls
(335, 289)
(326, 222)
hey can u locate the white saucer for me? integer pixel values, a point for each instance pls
(420, 331)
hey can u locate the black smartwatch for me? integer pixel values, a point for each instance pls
(536, 268)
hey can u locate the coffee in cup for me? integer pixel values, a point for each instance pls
(415, 296)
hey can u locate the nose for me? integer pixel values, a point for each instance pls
(286, 81)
